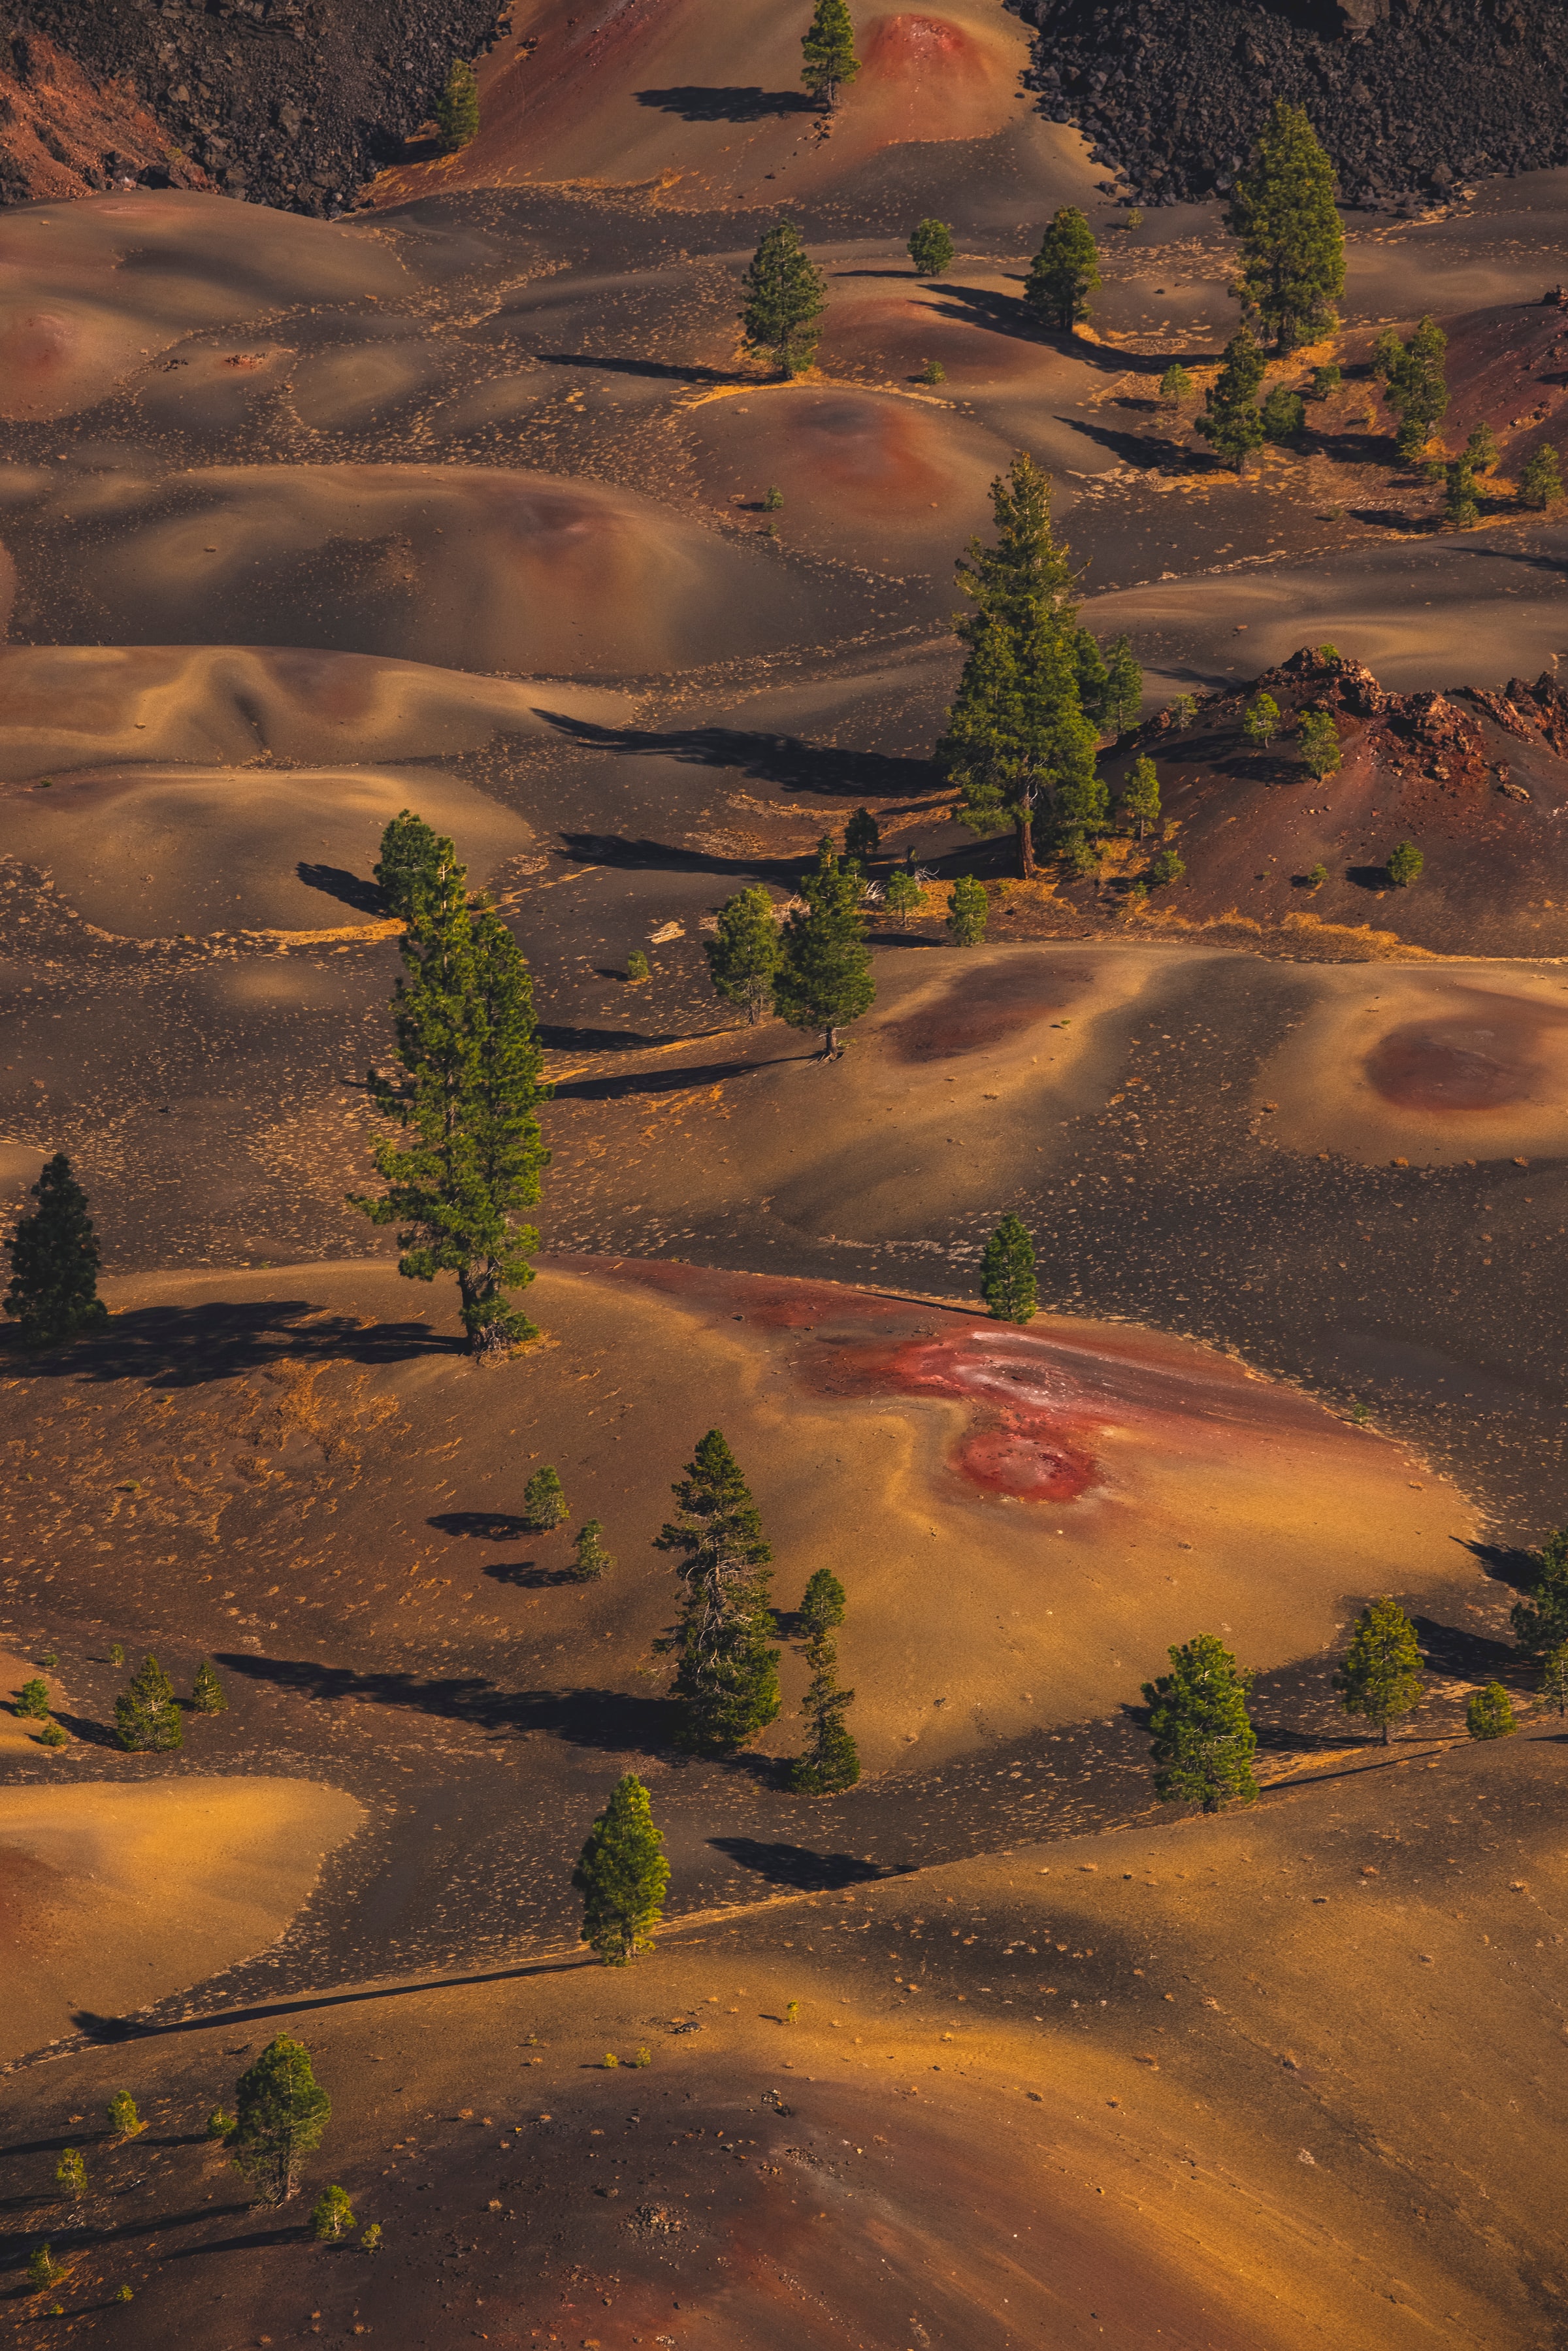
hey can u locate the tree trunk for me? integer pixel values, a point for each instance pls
(1024, 823)
(829, 1043)
(1386, 1734)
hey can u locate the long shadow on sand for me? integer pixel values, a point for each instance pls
(585, 1717)
(660, 371)
(337, 882)
(749, 104)
(781, 759)
(797, 1866)
(666, 1082)
(180, 1346)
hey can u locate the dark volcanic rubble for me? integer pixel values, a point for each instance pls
(1409, 97)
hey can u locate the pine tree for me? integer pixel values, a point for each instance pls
(1176, 384)
(821, 1609)
(829, 50)
(1261, 721)
(1007, 1275)
(1165, 867)
(1284, 413)
(621, 1876)
(903, 896)
(1140, 802)
(831, 1762)
(42, 2267)
(1488, 1713)
(33, 1700)
(785, 296)
(147, 1717)
(280, 2113)
(1404, 864)
(1230, 421)
(931, 248)
(333, 2216)
(1540, 1623)
(1554, 1677)
(1381, 1675)
(589, 1560)
(463, 1014)
(1387, 352)
(1418, 386)
(1203, 1740)
(742, 954)
(1461, 511)
(967, 911)
(1317, 739)
(71, 2173)
(1292, 266)
(123, 2119)
(458, 107)
(54, 1263)
(1540, 483)
(1065, 271)
(726, 1680)
(206, 1690)
(1481, 449)
(413, 859)
(1094, 678)
(544, 1500)
(862, 837)
(823, 980)
(1123, 688)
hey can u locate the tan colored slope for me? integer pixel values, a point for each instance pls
(114, 1896)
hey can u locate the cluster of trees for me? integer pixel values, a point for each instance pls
(1203, 1741)
(814, 972)
(149, 1719)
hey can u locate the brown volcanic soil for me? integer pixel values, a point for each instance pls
(63, 133)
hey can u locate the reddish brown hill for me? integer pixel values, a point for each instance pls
(64, 134)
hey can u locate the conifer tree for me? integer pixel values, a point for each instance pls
(1165, 866)
(53, 1293)
(414, 859)
(207, 1691)
(828, 51)
(1488, 1713)
(1554, 1677)
(1540, 483)
(1381, 1675)
(823, 980)
(1261, 721)
(1123, 687)
(147, 1717)
(1387, 350)
(544, 1499)
(1481, 449)
(1140, 803)
(33, 1700)
(967, 911)
(280, 2113)
(1293, 267)
(726, 1680)
(931, 248)
(1418, 386)
(1284, 413)
(831, 1761)
(903, 896)
(1007, 1274)
(71, 2173)
(1230, 420)
(862, 837)
(743, 953)
(822, 1605)
(1540, 1623)
(333, 2216)
(1461, 511)
(123, 2119)
(1065, 271)
(1094, 677)
(589, 1560)
(1404, 864)
(785, 296)
(42, 2267)
(1317, 739)
(622, 1876)
(472, 1156)
(1202, 1739)
(1176, 384)
(458, 107)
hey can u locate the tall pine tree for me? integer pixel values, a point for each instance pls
(1418, 386)
(622, 1876)
(53, 1293)
(1231, 420)
(147, 1717)
(471, 1158)
(1202, 1739)
(828, 52)
(458, 107)
(727, 1678)
(1065, 271)
(1293, 245)
(1381, 1675)
(1540, 1623)
(742, 954)
(414, 857)
(785, 296)
(1007, 1277)
(823, 979)
(280, 2113)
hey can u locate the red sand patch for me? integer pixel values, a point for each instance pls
(917, 48)
(981, 1008)
(1465, 1065)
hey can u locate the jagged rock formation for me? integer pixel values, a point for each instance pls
(63, 134)
(1411, 97)
(288, 102)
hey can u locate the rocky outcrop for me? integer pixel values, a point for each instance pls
(64, 134)
(288, 102)
(1411, 97)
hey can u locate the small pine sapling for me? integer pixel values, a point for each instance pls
(636, 967)
(220, 2126)
(1330, 654)
(1141, 796)
(71, 2173)
(1327, 382)
(933, 372)
(33, 1701)
(458, 107)
(1134, 217)
(967, 911)
(1007, 1273)
(371, 2238)
(930, 248)
(124, 2122)
(1489, 1713)
(1260, 720)
(1381, 1675)
(207, 1691)
(822, 1605)
(773, 499)
(644, 2056)
(1317, 739)
(1182, 710)
(793, 2013)
(54, 1734)
(726, 1681)
(610, 2060)
(1387, 352)
(622, 1875)
(1540, 483)
(42, 2267)
(1316, 876)
(1230, 422)
(544, 1500)
(1165, 869)
(147, 1717)
(117, 1652)
(589, 1560)
(1481, 449)
(1461, 511)
(123, 2293)
(903, 896)
(333, 2216)
(50, 1659)
(862, 837)
(1284, 413)
(1175, 385)
(1404, 864)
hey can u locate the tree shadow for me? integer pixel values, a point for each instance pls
(182, 1346)
(583, 1718)
(86, 1732)
(668, 1081)
(1508, 1563)
(558, 1038)
(694, 103)
(660, 370)
(1368, 877)
(528, 1577)
(782, 760)
(795, 1866)
(485, 1526)
(1464, 1655)
(337, 882)
(644, 856)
